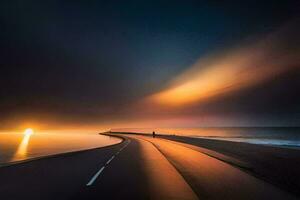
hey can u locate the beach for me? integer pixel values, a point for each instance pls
(277, 165)
(150, 100)
(142, 167)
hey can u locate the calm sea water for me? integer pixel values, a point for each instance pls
(17, 146)
(283, 136)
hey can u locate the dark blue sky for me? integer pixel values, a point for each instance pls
(87, 60)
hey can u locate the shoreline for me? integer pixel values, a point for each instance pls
(289, 146)
(142, 166)
(67, 153)
(276, 165)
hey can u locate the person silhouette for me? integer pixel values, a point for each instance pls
(153, 134)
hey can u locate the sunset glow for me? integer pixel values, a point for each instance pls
(28, 131)
(229, 71)
(150, 100)
(23, 146)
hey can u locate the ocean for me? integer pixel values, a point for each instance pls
(18, 146)
(288, 137)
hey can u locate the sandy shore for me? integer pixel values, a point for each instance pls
(280, 166)
(141, 167)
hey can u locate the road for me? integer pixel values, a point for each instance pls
(141, 167)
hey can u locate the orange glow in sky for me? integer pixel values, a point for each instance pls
(226, 72)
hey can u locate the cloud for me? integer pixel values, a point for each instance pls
(233, 70)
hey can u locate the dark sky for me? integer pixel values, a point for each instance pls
(91, 62)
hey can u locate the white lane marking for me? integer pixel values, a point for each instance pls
(95, 177)
(102, 168)
(110, 160)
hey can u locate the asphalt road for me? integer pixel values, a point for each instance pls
(139, 168)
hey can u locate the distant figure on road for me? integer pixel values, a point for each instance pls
(153, 134)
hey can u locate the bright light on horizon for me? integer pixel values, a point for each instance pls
(28, 131)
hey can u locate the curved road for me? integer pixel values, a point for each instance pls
(139, 168)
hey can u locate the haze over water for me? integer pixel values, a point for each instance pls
(17, 146)
(274, 136)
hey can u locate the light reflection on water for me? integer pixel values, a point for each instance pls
(21, 152)
(16, 146)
